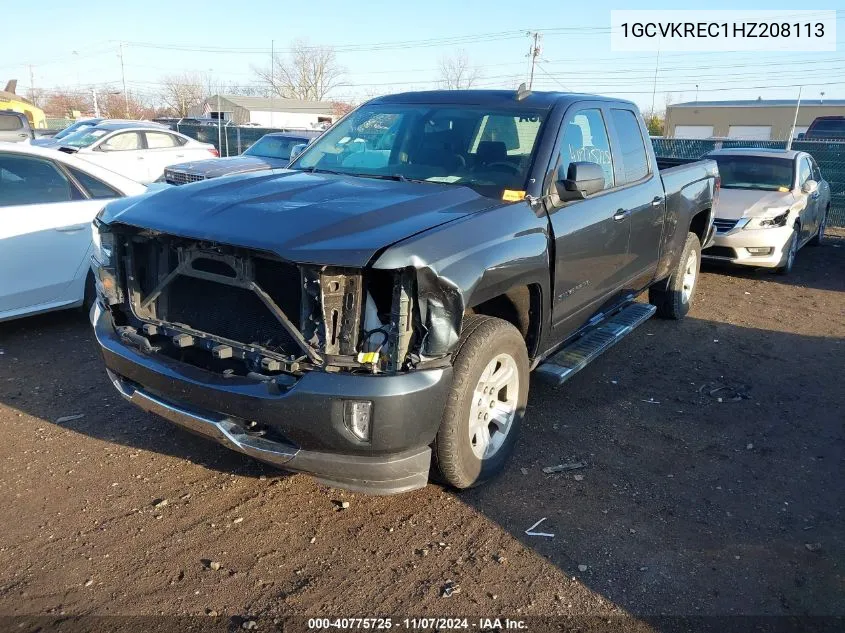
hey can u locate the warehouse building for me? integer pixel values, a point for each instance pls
(761, 119)
(266, 112)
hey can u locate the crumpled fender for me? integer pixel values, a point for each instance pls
(464, 263)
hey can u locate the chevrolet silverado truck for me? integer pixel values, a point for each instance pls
(371, 315)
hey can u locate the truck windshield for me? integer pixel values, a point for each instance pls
(756, 172)
(490, 150)
(273, 147)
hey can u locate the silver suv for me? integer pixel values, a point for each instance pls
(14, 127)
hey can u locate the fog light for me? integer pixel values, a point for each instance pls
(760, 250)
(357, 415)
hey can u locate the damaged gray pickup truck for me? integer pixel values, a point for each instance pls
(371, 314)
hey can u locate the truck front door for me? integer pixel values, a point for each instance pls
(590, 235)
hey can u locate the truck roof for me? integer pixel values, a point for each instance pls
(501, 98)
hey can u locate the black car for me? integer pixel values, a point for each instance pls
(826, 128)
(271, 151)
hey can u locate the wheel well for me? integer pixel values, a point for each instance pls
(519, 306)
(698, 224)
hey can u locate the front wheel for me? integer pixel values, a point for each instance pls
(792, 250)
(674, 301)
(486, 404)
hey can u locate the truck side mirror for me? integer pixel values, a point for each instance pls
(296, 150)
(582, 179)
(811, 186)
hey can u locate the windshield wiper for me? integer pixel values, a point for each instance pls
(316, 170)
(396, 177)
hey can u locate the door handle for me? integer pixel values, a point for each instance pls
(621, 214)
(656, 202)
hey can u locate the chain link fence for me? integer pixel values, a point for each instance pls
(830, 155)
(230, 140)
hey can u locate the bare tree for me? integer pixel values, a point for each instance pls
(308, 72)
(457, 73)
(181, 92)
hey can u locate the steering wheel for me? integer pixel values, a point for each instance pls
(508, 166)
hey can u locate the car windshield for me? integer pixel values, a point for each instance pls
(490, 150)
(83, 138)
(75, 127)
(273, 147)
(756, 172)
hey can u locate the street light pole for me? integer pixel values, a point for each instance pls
(123, 78)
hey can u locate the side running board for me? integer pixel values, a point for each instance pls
(573, 358)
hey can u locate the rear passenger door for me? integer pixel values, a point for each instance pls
(641, 196)
(810, 214)
(163, 149)
(590, 235)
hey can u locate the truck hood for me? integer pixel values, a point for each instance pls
(302, 217)
(735, 204)
(213, 167)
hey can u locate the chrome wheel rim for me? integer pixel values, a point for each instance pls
(690, 274)
(494, 404)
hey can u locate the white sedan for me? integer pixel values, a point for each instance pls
(136, 150)
(48, 200)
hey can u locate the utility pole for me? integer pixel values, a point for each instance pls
(272, 76)
(533, 53)
(32, 82)
(654, 89)
(794, 120)
(96, 103)
(123, 78)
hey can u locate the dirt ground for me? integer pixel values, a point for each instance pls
(714, 486)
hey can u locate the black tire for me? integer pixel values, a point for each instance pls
(817, 238)
(90, 294)
(786, 268)
(672, 302)
(482, 339)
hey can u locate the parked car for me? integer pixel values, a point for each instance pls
(81, 124)
(384, 299)
(271, 151)
(14, 127)
(826, 128)
(47, 202)
(137, 151)
(772, 203)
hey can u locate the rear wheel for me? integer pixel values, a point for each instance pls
(486, 404)
(674, 301)
(817, 238)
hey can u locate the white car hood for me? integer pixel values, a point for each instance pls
(735, 204)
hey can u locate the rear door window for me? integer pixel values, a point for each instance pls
(159, 140)
(10, 123)
(96, 188)
(634, 159)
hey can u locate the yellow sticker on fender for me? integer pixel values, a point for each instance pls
(513, 196)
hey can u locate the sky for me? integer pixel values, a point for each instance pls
(393, 46)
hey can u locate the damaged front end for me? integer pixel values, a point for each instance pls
(240, 312)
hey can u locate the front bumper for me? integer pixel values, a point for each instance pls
(307, 431)
(732, 247)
